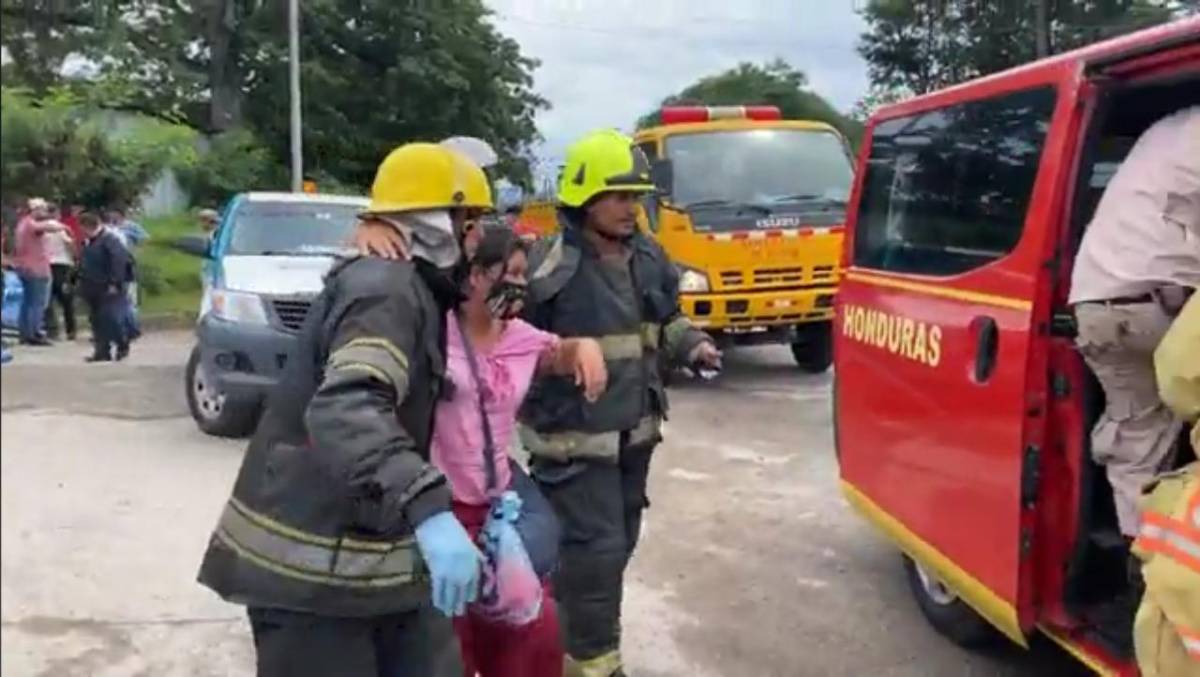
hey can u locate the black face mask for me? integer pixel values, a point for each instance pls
(443, 282)
(506, 299)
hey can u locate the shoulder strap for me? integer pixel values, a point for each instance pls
(489, 444)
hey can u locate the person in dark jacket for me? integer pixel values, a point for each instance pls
(339, 529)
(103, 274)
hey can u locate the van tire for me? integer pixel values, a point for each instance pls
(948, 614)
(216, 414)
(813, 347)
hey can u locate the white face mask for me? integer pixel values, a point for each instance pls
(430, 235)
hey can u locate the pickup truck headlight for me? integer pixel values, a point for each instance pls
(235, 306)
(692, 281)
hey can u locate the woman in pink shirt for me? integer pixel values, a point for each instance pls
(509, 353)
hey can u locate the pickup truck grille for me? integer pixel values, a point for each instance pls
(291, 312)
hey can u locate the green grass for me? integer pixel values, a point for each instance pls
(170, 278)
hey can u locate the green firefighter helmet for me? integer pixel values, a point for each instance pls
(603, 161)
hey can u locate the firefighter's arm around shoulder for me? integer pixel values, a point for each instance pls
(353, 414)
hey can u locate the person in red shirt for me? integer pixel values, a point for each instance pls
(70, 219)
(32, 262)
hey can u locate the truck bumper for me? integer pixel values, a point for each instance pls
(245, 360)
(750, 311)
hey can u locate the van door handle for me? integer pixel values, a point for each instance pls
(986, 347)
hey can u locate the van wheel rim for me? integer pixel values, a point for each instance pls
(934, 588)
(209, 401)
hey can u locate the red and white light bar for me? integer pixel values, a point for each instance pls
(675, 115)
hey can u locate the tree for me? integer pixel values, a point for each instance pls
(375, 72)
(923, 45)
(772, 84)
(57, 147)
(380, 72)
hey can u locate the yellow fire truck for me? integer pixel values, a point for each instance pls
(751, 209)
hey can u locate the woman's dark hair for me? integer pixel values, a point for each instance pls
(496, 247)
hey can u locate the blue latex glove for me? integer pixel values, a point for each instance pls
(453, 562)
(508, 508)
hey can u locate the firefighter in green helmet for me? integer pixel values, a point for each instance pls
(600, 277)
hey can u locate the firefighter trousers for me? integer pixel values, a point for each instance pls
(418, 643)
(599, 504)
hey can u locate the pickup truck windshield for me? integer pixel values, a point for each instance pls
(292, 228)
(779, 169)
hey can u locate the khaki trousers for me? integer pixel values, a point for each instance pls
(1136, 433)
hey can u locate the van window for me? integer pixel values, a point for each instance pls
(946, 191)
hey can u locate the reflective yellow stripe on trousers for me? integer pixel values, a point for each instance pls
(295, 554)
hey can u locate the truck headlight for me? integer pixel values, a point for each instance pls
(692, 281)
(235, 306)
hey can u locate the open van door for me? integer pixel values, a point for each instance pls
(940, 334)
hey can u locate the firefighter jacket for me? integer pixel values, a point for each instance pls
(1177, 367)
(631, 306)
(337, 475)
(1167, 629)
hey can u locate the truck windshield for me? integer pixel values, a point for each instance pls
(779, 169)
(292, 228)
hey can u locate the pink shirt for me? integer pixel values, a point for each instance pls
(507, 370)
(32, 256)
(1146, 230)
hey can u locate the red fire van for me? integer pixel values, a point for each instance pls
(963, 409)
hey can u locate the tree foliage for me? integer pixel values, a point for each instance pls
(773, 84)
(375, 73)
(235, 161)
(56, 147)
(923, 45)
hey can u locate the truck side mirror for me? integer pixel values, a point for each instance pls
(196, 245)
(662, 175)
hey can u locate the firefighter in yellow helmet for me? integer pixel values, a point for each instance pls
(1167, 628)
(338, 534)
(602, 278)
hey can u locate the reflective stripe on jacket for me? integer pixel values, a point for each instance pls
(1169, 546)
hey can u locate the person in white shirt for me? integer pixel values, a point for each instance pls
(61, 248)
(1138, 263)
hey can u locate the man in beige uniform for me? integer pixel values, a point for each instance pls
(1137, 264)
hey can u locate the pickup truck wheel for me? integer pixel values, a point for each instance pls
(813, 348)
(215, 412)
(948, 614)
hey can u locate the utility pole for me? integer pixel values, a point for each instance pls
(294, 83)
(1042, 29)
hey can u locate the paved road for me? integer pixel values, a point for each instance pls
(751, 563)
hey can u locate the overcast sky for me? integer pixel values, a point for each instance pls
(607, 62)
